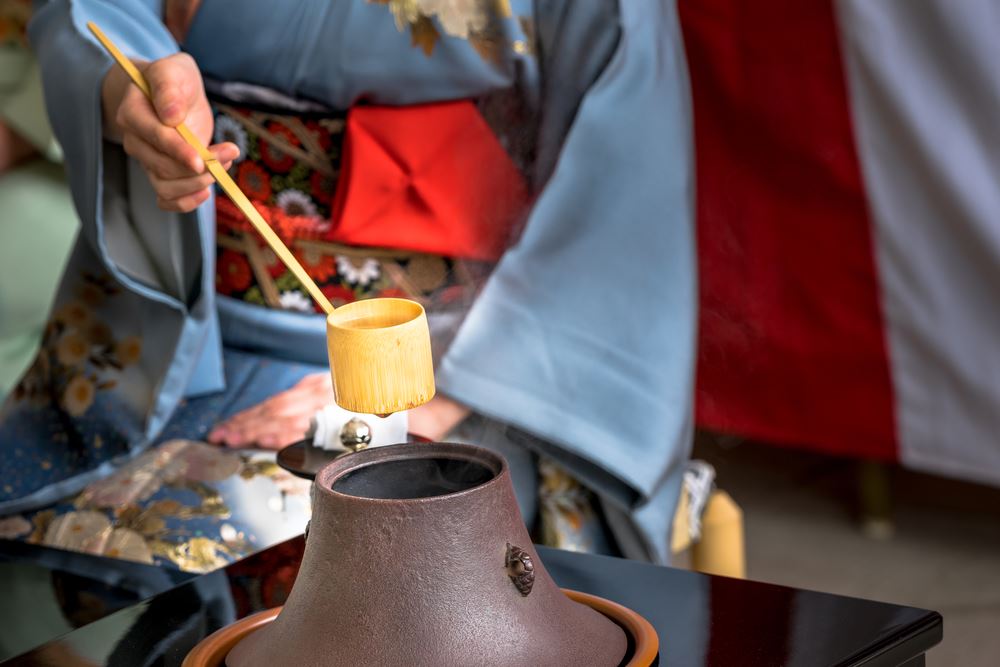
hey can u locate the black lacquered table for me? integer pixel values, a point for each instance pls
(701, 619)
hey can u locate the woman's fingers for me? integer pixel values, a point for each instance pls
(156, 163)
(278, 421)
(163, 168)
(149, 132)
(240, 429)
(148, 128)
(437, 417)
(175, 86)
(174, 184)
(172, 189)
(270, 433)
(184, 204)
(176, 188)
(136, 116)
(225, 152)
(260, 430)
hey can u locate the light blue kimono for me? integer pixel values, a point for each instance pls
(583, 338)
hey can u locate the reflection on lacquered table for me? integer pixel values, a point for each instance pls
(702, 620)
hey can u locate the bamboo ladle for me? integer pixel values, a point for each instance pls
(379, 349)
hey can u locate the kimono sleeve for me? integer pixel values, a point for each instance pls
(584, 336)
(165, 259)
(342, 53)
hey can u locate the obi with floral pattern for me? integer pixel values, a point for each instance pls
(289, 167)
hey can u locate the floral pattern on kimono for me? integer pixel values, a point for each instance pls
(184, 504)
(288, 167)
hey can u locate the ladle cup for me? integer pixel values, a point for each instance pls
(380, 355)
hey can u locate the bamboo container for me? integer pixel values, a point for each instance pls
(380, 355)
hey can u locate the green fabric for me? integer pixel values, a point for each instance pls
(37, 230)
(22, 105)
(38, 225)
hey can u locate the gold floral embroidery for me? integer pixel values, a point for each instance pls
(489, 43)
(40, 525)
(13, 527)
(424, 34)
(566, 510)
(92, 532)
(132, 483)
(79, 355)
(526, 46)
(199, 554)
(112, 518)
(474, 20)
(254, 467)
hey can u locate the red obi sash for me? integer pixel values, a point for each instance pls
(392, 201)
(431, 178)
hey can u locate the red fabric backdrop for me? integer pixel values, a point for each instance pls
(792, 348)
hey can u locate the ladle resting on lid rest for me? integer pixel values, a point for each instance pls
(380, 349)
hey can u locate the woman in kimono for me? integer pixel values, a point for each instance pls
(576, 354)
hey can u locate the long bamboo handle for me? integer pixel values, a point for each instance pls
(223, 179)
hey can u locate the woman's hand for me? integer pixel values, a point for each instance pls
(437, 417)
(146, 130)
(285, 418)
(280, 420)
